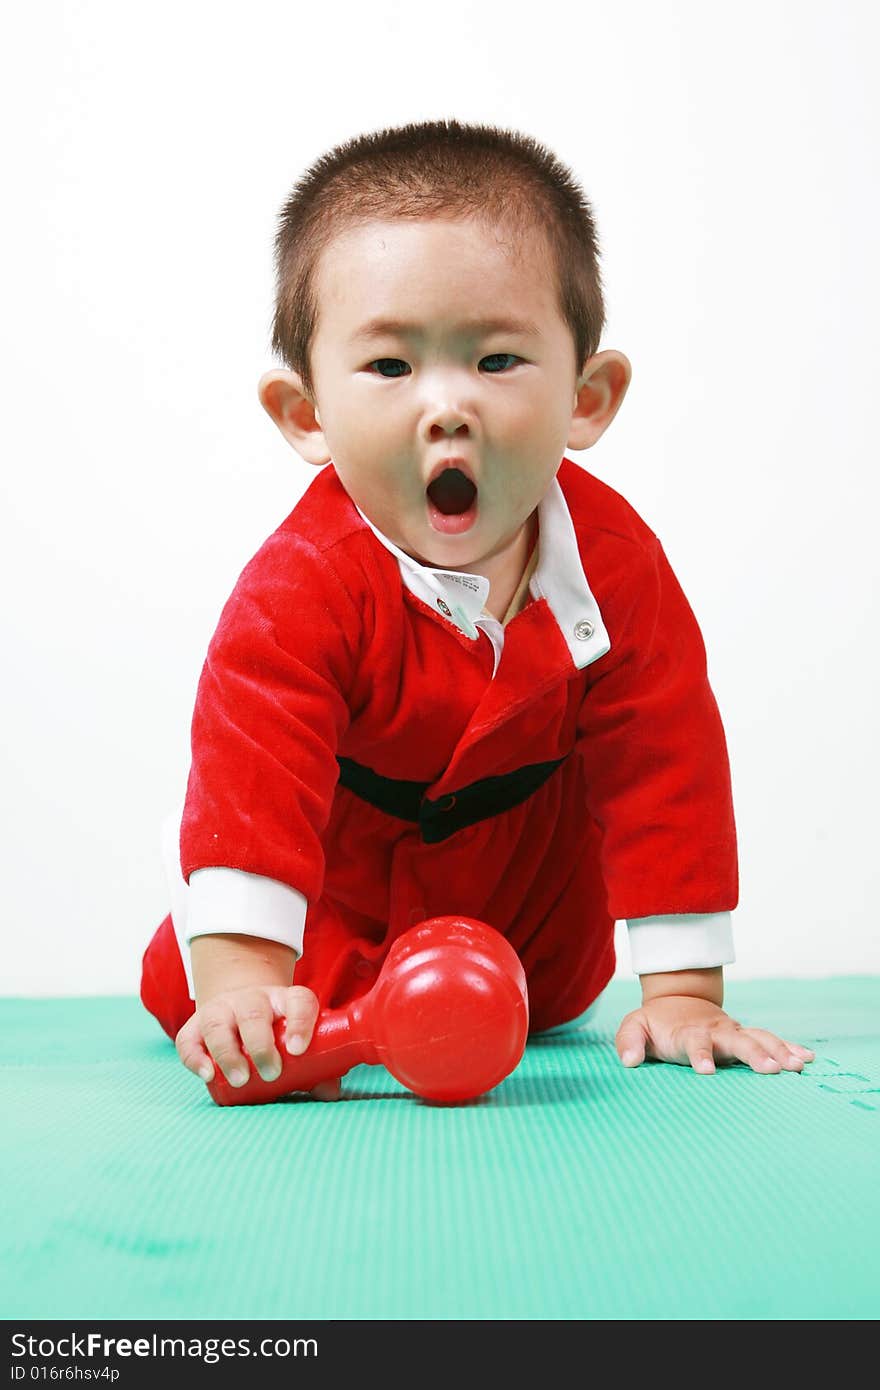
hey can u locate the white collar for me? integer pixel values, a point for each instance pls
(559, 578)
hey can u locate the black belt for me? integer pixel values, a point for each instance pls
(442, 818)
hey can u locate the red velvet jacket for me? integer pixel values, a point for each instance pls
(350, 741)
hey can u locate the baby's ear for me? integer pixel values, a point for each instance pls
(284, 398)
(600, 390)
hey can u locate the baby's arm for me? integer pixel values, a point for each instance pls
(273, 702)
(681, 1020)
(242, 984)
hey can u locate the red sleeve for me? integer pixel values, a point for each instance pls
(271, 707)
(655, 755)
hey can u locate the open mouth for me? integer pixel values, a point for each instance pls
(452, 493)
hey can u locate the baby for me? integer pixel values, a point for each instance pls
(461, 676)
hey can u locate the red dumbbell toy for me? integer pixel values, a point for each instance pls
(448, 1016)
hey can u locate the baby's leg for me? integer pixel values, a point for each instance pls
(164, 988)
(166, 980)
(338, 963)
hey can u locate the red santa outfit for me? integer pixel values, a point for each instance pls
(369, 749)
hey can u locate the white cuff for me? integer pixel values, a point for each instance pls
(231, 900)
(220, 899)
(680, 941)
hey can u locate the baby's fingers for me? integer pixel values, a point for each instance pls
(301, 1011)
(631, 1040)
(192, 1051)
(327, 1090)
(760, 1050)
(697, 1044)
(790, 1056)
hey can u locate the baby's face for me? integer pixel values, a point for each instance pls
(395, 404)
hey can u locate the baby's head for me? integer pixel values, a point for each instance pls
(439, 310)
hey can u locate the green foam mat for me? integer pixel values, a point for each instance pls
(577, 1189)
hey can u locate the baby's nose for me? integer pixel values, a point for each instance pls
(448, 424)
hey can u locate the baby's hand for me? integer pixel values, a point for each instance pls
(241, 1019)
(695, 1032)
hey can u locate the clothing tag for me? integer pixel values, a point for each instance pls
(473, 582)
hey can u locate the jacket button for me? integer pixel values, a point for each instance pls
(584, 631)
(365, 968)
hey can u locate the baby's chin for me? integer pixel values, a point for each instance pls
(417, 538)
(472, 550)
(441, 556)
(468, 558)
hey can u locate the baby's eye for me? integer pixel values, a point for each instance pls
(392, 362)
(395, 367)
(495, 356)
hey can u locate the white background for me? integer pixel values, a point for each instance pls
(729, 154)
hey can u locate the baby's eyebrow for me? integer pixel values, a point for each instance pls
(475, 328)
